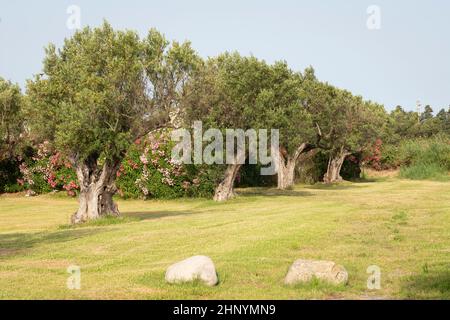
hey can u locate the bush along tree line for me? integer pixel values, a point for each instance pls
(98, 120)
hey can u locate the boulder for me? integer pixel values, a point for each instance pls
(303, 271)
(194, 268)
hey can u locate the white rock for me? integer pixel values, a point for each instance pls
(194, 268)
(30, 193)
(303, 271)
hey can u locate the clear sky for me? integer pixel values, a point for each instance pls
(408, 59)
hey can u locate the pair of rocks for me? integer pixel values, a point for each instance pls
(202, 268)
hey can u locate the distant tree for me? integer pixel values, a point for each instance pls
(11, 119)
(427, 114)
(444, 119)
(98, 94)
(405, 125)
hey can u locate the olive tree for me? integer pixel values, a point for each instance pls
(282, 106)
(356, 125)
(97, 94)
(224, 95)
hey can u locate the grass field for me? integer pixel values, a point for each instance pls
(401, 226)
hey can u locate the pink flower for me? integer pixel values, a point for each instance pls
(54, 159)
(186, 185)
(143, 159)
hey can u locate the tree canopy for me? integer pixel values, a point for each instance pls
(11, 119)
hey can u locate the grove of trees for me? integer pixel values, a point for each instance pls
(106, 96)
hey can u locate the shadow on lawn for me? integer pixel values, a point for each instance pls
(124, 218)
(15, 243)
(335, 186)
(152, 215)
(429, 285)
(256, 192)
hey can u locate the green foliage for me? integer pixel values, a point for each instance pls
(281, 106)
(389, 156)
(11, 118)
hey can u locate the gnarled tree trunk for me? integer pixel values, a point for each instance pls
(97, 187)
(287, 164)
(286, 172)
(225, 189)
(335, 163)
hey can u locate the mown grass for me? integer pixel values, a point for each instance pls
(402, 226)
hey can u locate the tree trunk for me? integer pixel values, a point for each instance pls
(225, 189)
(286, 172)
(287, 163)
(97, 188)
(335, 163)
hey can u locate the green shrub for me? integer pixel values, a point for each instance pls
(389, 158)
(425, 158)
(423, 171)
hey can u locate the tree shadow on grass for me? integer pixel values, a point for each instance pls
(366, 180)
(16, 243)
(334, 186)
(153, 215)
(430, 285)
(124, 218)
(262, 192)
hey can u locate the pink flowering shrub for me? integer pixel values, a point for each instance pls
(47, 171)
(149, 172)
(374, 156)
(146, 172)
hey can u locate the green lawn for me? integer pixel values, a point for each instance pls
(401, 226)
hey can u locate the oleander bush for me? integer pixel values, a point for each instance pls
(44, 170)
(146, 172)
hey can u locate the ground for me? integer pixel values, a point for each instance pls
(401, 226)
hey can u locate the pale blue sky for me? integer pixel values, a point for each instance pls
(407, 59)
